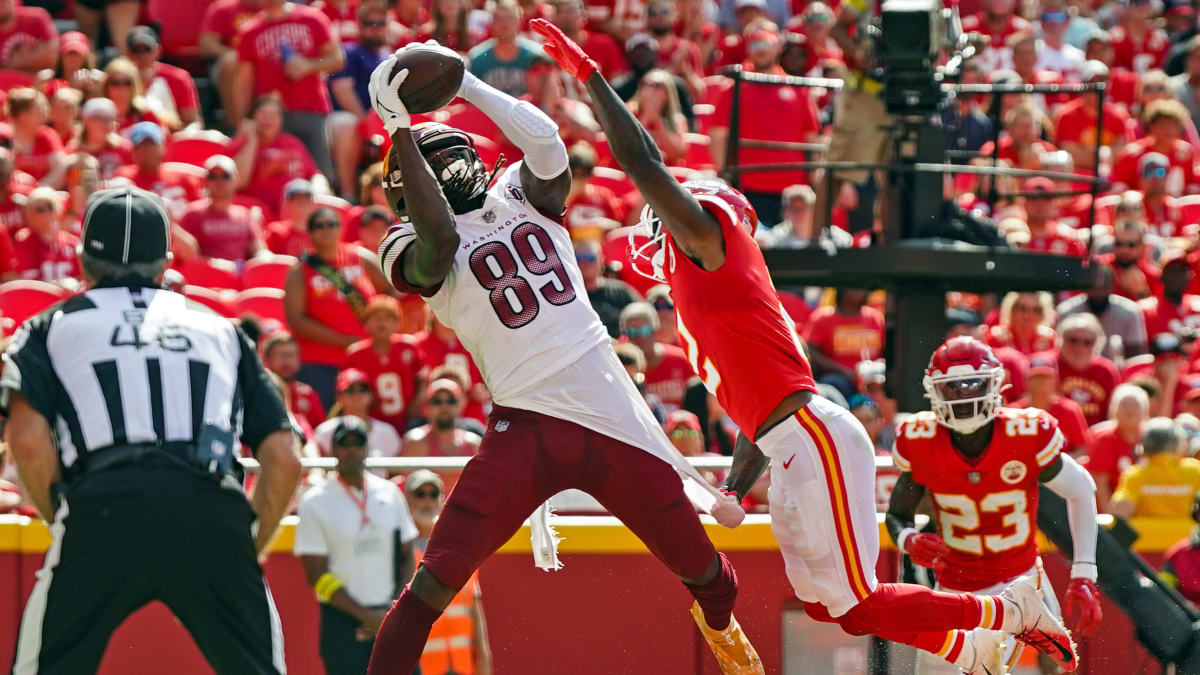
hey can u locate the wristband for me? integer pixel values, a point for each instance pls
(1084, 570)
(327, 584)
(902, 538)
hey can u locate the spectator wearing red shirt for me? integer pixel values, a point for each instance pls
(392, 362)
(569, 16)
(1114, 441)
(448, 25)
(668, 371)
(676, 55)
(1134, 276)
(13, 184)
(1087, 377)
(759, 119)
(37, 150)
(28, 39)
(289, 236)
(176, 188)
(591, 209)
(443, 351)
(64, 113)
(43, 250)
(218, 41)
(290, 49)
(1047, 235)
(1026, 323)
(1161, 211)
(656, 105)
(1137, 44)
(1041, 391)
(694, 24)
(1172, 310)
(124, 86)
(98, 137)
(998, 21)
(222, 229)
(169, 87)
(839, 337)
(1021, 143)
(618, 18)
(325, 293)
(76, 63)
(1023, 48)
(1165, 124)
(1075, 123)
(343, 19)
(281, 355)
(268, 157)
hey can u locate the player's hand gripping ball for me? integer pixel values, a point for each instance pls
(435, 74)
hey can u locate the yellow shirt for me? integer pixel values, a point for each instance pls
(1161, 487)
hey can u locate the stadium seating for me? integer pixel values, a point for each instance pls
(265, 303)
(24, 298)
(195, 147)
(265, 213)
(201, 272)
(613, 179)
(214, 300)
(266, 272)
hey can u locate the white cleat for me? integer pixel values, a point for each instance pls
(1038, 627)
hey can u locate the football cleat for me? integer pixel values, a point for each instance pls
(1039, 628)
(735, 655)
(988, 646)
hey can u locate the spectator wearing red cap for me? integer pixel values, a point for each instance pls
(222, 229)
(43, 250)
(281, 355)
(76, 63)
(147, 172)
(1173, 308)
(269, 157)
(1114, 441)
(1075, 123)
(1041, 391)
(168, 87)
(1086, 377)
(218, 41)
(392, 362)
(1166, 122)
(1046, 234)
(28, 39)
(1138, 45)
(290, 49)
(1026, 323)
(123, 85)
(37, 150)
(355, 398)
(441, 436)
(98, 138)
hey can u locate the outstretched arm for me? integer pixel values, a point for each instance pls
(426, 259)
(695, 231)
(748, 464)
(1071, 481)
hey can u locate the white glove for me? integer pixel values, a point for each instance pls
(385, 96)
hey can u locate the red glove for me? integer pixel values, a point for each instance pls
(568, 55)
(1084, 594)
(925, 549)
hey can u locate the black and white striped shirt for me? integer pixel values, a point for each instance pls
(127, 365)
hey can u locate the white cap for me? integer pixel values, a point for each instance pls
(99, 107)
(222, 162)
(1093, 69)
(761, 4)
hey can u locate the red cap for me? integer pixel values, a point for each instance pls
(1039, 183)
(74, 41)
(1042, 364)
(351, 376)
(682, 418)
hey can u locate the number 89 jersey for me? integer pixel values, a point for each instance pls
(986, 509)
(514, 296)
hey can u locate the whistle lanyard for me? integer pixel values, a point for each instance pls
(360, 502)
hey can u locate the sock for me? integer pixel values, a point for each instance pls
(718, 596)
(946, 644)
(909, 608)
(402, 636)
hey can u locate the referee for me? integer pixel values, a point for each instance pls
(125, 407)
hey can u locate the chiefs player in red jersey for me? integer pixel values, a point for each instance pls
(982, 465)
(734, 331)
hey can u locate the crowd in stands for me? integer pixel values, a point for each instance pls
(251, 118)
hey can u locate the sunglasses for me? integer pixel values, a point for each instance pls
(1126, 244)
(323, 225)
(1083, 342)
(427, 494)
(120, 83)
(43, 208)
(1029, 309)
(219, 176)
(357, 389)
(350, 444)
(641, 331)
(1155, 172)
(683, 433)
(664, 306)
(659, 12)
(142, 49)
(374, 24)
(1054, 17)
(586, 257)
(443, 401)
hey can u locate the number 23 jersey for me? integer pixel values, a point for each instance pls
(986, 510)
(514, 296)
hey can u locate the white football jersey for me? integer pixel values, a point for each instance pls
(515, 296)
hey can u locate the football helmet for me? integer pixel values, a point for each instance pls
(648, 255)
(456, 165)
(964, 382)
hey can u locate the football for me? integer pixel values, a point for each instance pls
(433, 78)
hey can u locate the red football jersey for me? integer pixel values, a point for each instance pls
(985, 507)
(393, 376)
(668, 380)
(437, 352)
(306, 403)
(734, 330)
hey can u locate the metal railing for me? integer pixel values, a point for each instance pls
(457, 463)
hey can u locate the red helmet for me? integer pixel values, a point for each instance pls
(718, 198)
(964, 382)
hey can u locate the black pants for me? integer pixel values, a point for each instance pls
(128, 536)
(341, 652)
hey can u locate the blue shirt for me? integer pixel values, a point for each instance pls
(360, 63)
(507, 76)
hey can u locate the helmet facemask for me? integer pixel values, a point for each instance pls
(461, 173)
(966, 400)
(649, 258)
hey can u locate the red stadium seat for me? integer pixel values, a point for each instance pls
(266, 272)
(698, 155)
(185, 168)
(265, 303)
(211, 299)
(613, 179)
(12, 79)
(1189, 207)
(201, 272)
(24, 298)
(195, 147)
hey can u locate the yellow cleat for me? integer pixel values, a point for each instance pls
(733, 650)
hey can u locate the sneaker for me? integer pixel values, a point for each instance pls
(735, 655)
(1039, 628)
(988, 646)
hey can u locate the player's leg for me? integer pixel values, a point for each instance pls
(506, 480)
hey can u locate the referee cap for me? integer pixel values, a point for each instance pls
(126, 225)
(348, 426)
